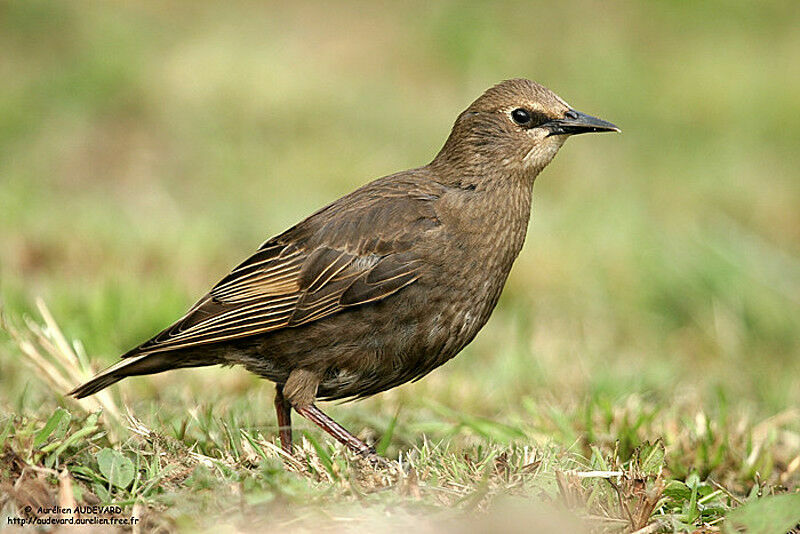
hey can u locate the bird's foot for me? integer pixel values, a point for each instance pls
(376, 461)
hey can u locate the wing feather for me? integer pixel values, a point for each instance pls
(320, 267)
(287, 291)
(390, 275)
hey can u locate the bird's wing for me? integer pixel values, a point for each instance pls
(310, 272)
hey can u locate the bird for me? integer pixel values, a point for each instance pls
(385, 284)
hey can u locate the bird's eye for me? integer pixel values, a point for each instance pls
(521, 116)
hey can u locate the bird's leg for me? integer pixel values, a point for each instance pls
(336, 430)
(284, 412)
(300, 390)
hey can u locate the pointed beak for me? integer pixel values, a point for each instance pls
(575, 122)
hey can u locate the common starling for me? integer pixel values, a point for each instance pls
(386, 283)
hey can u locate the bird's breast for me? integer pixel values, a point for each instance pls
(482, 236)
(467, 260)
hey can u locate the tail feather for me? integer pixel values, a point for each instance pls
(142, 364)
(94, 385)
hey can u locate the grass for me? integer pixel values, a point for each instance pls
(144, 150)
(217, 466)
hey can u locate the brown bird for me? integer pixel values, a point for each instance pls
(388, 282)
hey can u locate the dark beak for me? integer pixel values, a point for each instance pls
(575, 122)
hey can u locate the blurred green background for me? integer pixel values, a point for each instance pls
(145, 149)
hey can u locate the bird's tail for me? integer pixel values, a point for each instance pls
(133, 364)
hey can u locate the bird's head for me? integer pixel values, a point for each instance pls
(515, 127)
